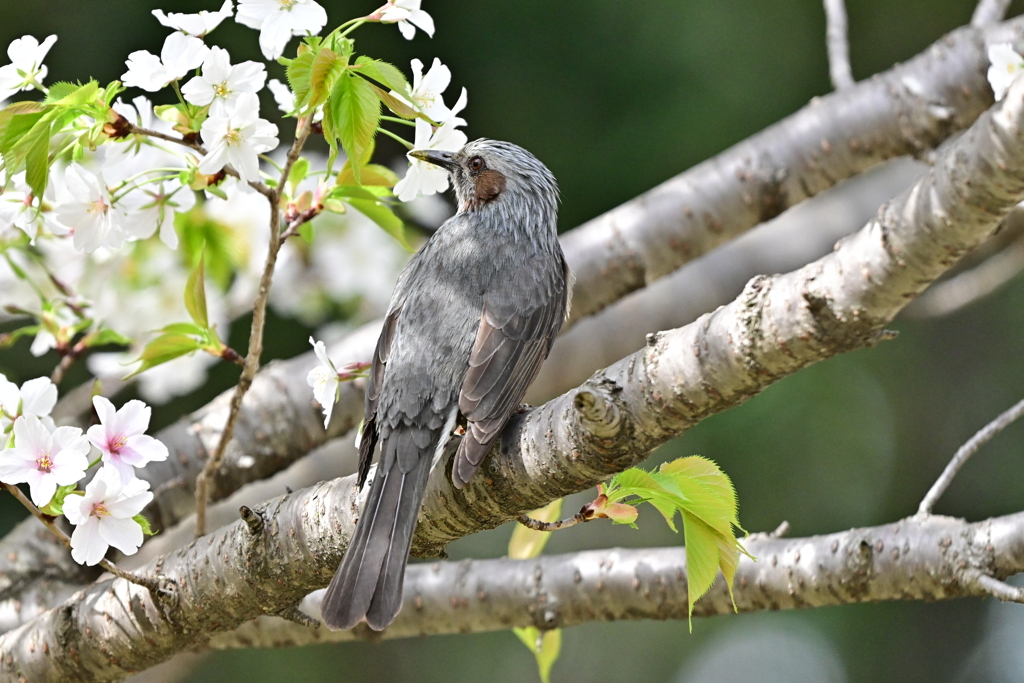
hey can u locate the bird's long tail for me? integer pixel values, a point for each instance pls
(369, 581)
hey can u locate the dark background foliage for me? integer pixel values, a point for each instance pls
(616, 97)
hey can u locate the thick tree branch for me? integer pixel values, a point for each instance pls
(931, 558)
(838, 44)
(778, 325)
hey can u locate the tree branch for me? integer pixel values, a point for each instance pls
(966, 451)
(989, 12)
(838, 44)
(934, 558)
(778, 325)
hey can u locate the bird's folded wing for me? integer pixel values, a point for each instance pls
(374, 382)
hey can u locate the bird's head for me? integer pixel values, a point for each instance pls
(491, 174)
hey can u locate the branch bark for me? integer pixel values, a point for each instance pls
(989, 12)
(777, 326)
(838, 44)
(930, 558)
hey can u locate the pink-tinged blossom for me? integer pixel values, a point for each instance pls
(44, 460)
(279, 20)
(409, 16)
(121, 439)
(197, 25)
(89, 212)
(26, 69)
(221, 84)
(238, 139)
(103, 516)
(179, 55)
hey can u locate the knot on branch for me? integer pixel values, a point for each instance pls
(598, 413)
(254, 520)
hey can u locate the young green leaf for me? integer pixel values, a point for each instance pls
(372, 174)
(106, 336)
(545, 647)
(397, 106)
(147, 528)
(165, 348)
(299, 77)
(322, 74)
(701, 559)
(351, 116)
(195, 294)
(37, 160)
(56, 505)
(526, 542)
(298, 173)
(385, 74)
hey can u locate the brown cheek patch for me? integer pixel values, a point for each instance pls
(489, 184)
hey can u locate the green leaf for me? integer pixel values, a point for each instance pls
(195, 294)
(184, 328)
(298, 173)
(383, 216)
(385, 74)
(397, 106)
(352, 192)
(372, 174)
(707, 473)
(545, 647)
(37, 159)
(299, 74)
(351, 116)
(165, 348)
(147, 528)
(56, 505)
(323, 72)
(106, 336)
(73, 94)
(526, 542)
(225, 248)
(701, 559)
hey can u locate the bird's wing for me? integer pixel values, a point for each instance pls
(505, 359)
(374, 382)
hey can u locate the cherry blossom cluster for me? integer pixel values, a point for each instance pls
(53, 460)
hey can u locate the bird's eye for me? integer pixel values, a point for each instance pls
(476, 163)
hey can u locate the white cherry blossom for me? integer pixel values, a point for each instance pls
(324, 380)
(197, 25)
(279, 20)
(121, 437)
(37, 397)
(424, 178)
(44, 460)
(427, 89)
(179, 55)
(285, 99)
(89, 211)
(26, 69)
(409, 16)
(238, 139)
(22, 209)
(103, 516)
(221, 84)
(1007, 64)
(152, 207)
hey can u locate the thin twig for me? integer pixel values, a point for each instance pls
(966, 451)
(252, 358)
(996, 588)
(838, 44)
(538, 525)
(262, 188)
(989, 12)
(51, 524)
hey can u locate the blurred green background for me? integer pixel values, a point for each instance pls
(616, 97)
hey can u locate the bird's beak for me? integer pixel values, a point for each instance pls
(436, 157)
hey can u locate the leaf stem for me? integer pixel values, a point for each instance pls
(403, 141)
(395, 119)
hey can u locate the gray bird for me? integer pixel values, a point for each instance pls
(471, 321)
